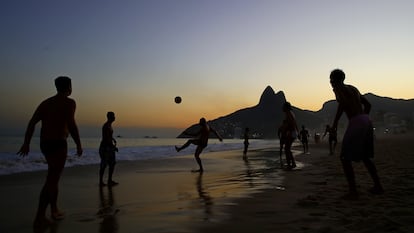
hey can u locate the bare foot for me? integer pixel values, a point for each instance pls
(112, 183)
(351, 196)
(58, 215)
(199, 170)
(41, 223)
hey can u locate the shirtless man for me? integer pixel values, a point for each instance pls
(358, 140)
(107, 150)
(245, 142)
(291, 134)
(57, 115)
(201, 141)
(331, 138)
(304, 135)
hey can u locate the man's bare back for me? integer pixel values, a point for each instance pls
(350, 100)
(57, 116)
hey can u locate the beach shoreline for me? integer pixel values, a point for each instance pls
(155, 195)
(232, 195)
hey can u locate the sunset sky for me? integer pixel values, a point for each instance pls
(133, 57)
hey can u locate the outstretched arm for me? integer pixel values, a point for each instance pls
(218, 135)
(25, 148)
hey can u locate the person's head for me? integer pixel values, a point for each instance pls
(337, 77)
(110, 116)
(287, 107)
(247, 129)
(63, 85)
(203, 121)
(303, 127)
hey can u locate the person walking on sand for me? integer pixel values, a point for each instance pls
(291, 134)
(246, 142)
(57, 116)
(304, 135)
(281, 133)
(332, 138)
(358, 140)
(200, 141)
(107, 150)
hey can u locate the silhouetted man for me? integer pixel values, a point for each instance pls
(107, 150)
(331, 138)
(201, 141)
(358, 140)
(57, 115)
(304, 135)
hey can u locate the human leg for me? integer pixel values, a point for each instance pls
(112, 163)
(101, 174)
(377, 189)
(189, 142)
(197, 153)
(306, 147)
(103, 165)
(350, 176)
(289, 155)
(53, 177)
(331, 150)
(55, 153)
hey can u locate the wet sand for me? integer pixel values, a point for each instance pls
(153, 196)
(312, 199)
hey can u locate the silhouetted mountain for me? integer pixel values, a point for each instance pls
(265, 118)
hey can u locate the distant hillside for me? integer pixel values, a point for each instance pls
(265, 118)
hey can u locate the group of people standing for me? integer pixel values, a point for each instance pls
(57, 117)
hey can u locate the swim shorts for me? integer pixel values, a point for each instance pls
(358, 141)
(52, 147)
(107, 154)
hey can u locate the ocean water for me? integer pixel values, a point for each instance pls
(130, 149)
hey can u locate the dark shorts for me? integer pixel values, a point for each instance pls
(107, 154)
(51, 147)
(55, 152)
(358, 141)
(199, 143)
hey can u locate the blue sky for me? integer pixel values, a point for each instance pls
(134, 57)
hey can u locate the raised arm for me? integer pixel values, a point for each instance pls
(218, 135)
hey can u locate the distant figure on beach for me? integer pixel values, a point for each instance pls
(304, 135)
(57, 116)
(246, 142)
(358, 141)
(107, 150)
(331, 137)
(281, 133)
(201, 141)
(291, 134)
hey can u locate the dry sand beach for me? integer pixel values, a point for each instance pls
(230, 196)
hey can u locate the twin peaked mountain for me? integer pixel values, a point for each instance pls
(265, 118)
